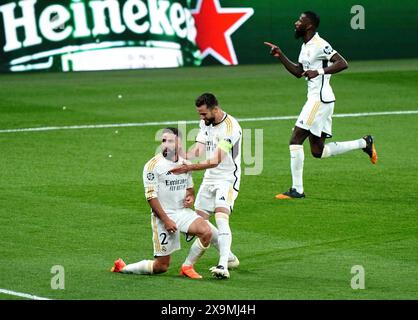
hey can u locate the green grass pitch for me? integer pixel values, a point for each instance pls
(64, 201)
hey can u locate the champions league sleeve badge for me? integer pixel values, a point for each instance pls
(328, 50)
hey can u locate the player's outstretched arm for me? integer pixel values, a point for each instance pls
(219, 155)
(206, 164)
(294, 68)
(195, 152)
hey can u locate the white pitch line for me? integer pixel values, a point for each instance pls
(23, 295)
(150, 124)
(341, 115)
(97, 126)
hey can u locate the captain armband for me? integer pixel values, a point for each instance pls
(225, 145)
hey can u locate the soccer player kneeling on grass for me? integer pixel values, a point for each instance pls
(170, 197)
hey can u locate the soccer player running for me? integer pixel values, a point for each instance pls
(317, 61)
(170, 198)
(219, 139)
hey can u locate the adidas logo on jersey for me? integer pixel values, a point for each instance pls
(168, 173)
(222, 198)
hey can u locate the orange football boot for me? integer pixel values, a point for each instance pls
(370, 149)
(118, 266)
(188, 271)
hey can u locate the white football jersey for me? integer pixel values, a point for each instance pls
(226, 135)
(314, 55)
(169, 188)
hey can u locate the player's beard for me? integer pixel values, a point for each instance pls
(299, 33)
(169, 154)
(208, 122)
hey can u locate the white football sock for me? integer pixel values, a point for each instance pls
(196, 251)
(215, 243)
(224, 238)
(334, 148)
(297, 157)
(141, 267)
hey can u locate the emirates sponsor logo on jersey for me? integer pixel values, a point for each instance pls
(176, 185)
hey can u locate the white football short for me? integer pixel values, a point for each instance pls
(216, 195)
(316, 117)
(166, 243)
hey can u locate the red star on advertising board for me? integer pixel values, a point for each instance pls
(215, 25)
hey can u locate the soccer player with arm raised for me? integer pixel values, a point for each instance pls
(317, 61)
(219, 139)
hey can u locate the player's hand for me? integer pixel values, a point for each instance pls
(274, 50)
(310, 74)
(170, 226)
(188, 201)
(181, 169)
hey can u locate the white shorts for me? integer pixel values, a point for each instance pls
(316, 117)
(216, 195)
(166, 243)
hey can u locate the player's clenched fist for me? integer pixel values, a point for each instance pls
(188, 201)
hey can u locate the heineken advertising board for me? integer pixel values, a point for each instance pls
(82, 35)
